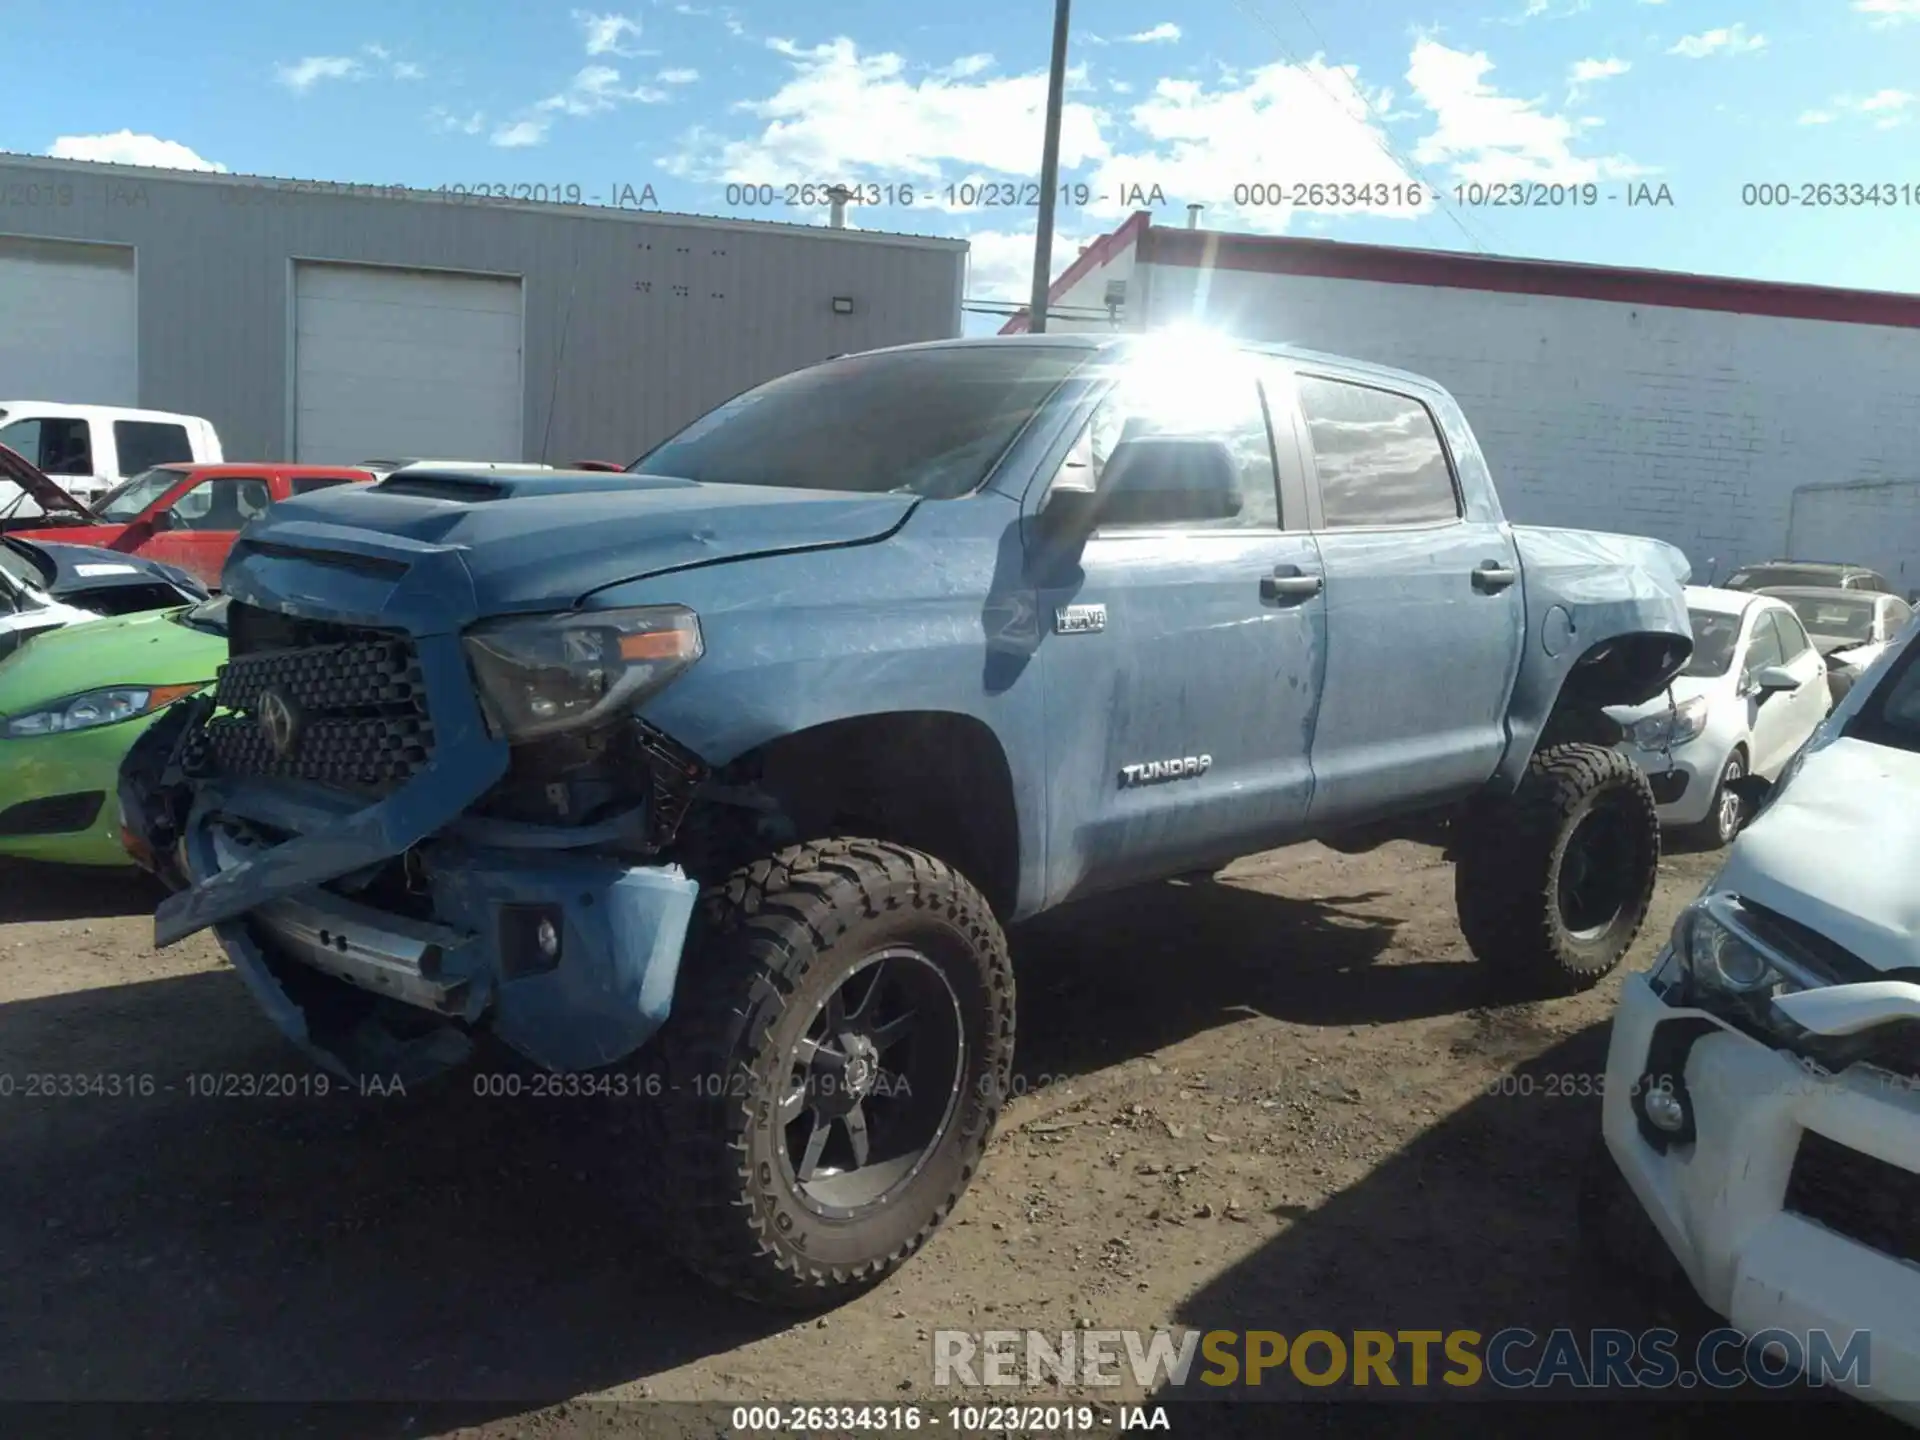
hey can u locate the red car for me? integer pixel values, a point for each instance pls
(186, 515)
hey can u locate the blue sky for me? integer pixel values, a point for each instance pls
(1701, 96)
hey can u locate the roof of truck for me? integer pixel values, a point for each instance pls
(96, 412)
(1136, 340)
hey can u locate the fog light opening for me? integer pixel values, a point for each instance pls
(1666, 1111)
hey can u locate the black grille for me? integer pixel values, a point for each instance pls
(1856, 1195)
(356, 697)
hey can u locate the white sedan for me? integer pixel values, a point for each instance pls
(26, 609)
(1754, 690)
(1762, 1095)
(1849, 627)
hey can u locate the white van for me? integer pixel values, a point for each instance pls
(89, 449)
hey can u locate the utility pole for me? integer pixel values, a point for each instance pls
(1049, 175)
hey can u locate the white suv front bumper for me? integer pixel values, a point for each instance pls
(1723, 1205)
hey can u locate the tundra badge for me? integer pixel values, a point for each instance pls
(1079, 619)
(1155, 772)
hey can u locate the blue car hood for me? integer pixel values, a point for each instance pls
(531, 540)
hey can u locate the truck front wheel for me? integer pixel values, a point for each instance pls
(840, 1045)
(1553, 882)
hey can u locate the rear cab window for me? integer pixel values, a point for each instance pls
(307, 484)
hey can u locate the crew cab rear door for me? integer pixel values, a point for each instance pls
(1181, 645)
(1425, 612)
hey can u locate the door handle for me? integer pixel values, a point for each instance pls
(1287, 583)
(1491, 577)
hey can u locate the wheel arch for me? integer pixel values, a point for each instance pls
(1555, 703)
(938, 781)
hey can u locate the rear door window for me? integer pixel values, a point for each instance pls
(1793, 636)
(1378, 456)
(142, 444)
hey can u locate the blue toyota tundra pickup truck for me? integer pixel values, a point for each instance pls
(730, 769)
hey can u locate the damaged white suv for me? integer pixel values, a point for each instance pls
(1762, 1096)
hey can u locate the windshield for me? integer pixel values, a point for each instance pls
(208, 615)
(23, 566)
(1761, 577)
(1714, 636)
(928, 422)
(1834, 617)
(1891, 715)
(124, 503)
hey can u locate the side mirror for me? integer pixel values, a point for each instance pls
(1774, 678)
(159, 522)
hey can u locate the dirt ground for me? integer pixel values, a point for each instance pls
(1270, 1101)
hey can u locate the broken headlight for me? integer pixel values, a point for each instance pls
(1673, 728)
(1731, 971)
(542, 674)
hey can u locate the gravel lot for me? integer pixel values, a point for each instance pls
(1267, 1101)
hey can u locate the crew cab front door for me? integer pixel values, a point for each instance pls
(195, 528)
(1425, 615)
(1181, 646)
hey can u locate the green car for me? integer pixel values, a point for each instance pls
(72, 701)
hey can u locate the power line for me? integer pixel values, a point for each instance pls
(1382, 137)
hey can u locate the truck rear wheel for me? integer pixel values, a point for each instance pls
(837, 1056)
(1553, 883)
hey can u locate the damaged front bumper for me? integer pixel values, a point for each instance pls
(382, 932)
(1787, 1195)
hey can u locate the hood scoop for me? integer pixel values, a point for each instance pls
(478, 487)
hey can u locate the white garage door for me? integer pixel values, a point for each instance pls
(395, 363)
(1875, 525)
(69, 323)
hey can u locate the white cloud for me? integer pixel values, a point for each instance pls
(1886, 109)
(1889, 12)
(1728, 40)
(304, 74)
(445, 120)
(1583, 73)
(594, 90)
(848, 115)
(1000, 262)
(607, 34)
(677, 77)
(1275, 123)
(1486, 137)
(520, 133)
(967, 66)
(123, 147)
(1165, 32)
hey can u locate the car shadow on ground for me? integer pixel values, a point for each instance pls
(1107, 979)
(209, 1226)
(32, 891)
(1457, 1231)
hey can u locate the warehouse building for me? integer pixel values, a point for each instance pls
(341, 323)
(1738, 419)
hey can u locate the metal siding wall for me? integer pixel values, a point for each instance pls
(214, 271)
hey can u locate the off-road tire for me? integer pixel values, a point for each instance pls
(768, 943)
(1508, 862)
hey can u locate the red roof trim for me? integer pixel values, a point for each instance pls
(1339, 260)
(1098, 253)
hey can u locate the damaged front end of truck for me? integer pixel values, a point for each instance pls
(406, 826)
